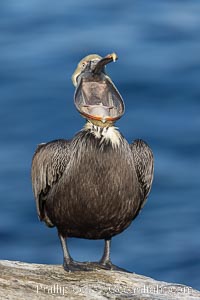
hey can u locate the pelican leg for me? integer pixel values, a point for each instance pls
(105, 261)
(69, 264)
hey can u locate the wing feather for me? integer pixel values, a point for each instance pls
(144, 164)
(49, 162)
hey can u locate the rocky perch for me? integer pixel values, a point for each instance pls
(24, 281)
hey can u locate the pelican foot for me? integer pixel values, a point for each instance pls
(109, 266)
(74, 266)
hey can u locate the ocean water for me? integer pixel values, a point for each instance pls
(158, 71)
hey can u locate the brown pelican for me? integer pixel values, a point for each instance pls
(94, 185)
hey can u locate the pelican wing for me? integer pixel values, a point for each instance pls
(144, 165)
(48, 164)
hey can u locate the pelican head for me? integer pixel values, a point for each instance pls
(96, 97)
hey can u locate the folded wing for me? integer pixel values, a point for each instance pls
(144, 164)
(49, 162)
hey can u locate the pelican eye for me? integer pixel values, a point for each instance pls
(83, 65)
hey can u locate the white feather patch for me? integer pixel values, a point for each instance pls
(111, 134)
(107, 134)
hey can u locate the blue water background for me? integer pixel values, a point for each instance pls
(158, 75)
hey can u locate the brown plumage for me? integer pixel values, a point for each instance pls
(92, 186)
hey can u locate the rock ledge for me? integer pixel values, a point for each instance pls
(19, 280)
